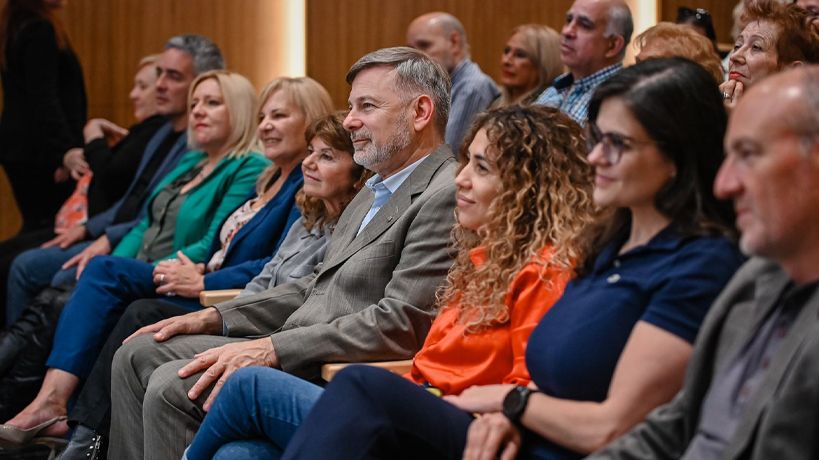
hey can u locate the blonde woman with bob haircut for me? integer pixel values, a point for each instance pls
(529, 64)
(287, 106)
(184, 213)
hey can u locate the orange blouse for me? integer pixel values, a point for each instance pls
(453, 360)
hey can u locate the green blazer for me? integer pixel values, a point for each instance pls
(205, 206)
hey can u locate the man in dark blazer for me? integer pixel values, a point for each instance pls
(57, 261)
(752, 387)
(371, 298)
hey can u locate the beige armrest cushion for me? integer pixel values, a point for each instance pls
(211, 298)
(328, 371)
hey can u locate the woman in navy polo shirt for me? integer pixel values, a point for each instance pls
(616, 344)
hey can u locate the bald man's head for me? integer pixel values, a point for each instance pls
(771, 170)
(595, 35)
(441, 36)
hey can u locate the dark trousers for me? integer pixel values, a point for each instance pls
(9, 249)
(93, 407)
(369, 413)
(36, 194)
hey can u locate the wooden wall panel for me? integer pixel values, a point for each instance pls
(110, 36)
(340, 32)
(720, 14)
(10, 219)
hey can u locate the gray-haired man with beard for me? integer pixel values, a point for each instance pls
(371, 298)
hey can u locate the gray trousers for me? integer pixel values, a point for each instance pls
(151, 414)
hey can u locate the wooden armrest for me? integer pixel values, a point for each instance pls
(211, 298)
(329, 370)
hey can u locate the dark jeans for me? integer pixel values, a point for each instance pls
(93, 407)
(36, 194)
(9, 249)
(107, 286)
(369, 413)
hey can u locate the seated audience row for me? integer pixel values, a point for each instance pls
(103, 167)
(370, 299)
(642, 256)
(184, 57)
(222, 126)
(654, 259)
(523, 195)
(331, 178)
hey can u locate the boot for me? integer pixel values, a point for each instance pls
(85, 444)
(35, 327)
(26, 365)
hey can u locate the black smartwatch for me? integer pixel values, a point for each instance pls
(515, 403)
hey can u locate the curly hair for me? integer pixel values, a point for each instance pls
(545, 200)
(796, 40)
(681, 40)
(330, 130)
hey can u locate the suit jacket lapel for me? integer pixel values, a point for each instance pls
(349, 222)
(768, 288)
(391, 211)
(383, 219)
(246, 229)
(784, 356)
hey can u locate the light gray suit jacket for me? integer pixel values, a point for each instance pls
(372, 297)
(782, 421)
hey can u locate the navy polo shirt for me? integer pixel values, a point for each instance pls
(670, 282)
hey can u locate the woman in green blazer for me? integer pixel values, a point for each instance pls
(187, 207)
(184, 211)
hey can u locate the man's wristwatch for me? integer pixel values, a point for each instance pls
(515, 403)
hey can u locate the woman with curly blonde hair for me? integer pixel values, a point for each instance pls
(523, 193)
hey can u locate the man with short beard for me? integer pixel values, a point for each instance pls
(370, 299)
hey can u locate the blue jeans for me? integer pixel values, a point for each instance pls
(254, 416)
(34, 270)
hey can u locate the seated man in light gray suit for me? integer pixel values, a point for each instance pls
(371, 299)
(752, 388)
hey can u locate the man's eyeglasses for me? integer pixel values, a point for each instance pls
(613, 144)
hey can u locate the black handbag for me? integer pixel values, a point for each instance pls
(24, 349)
